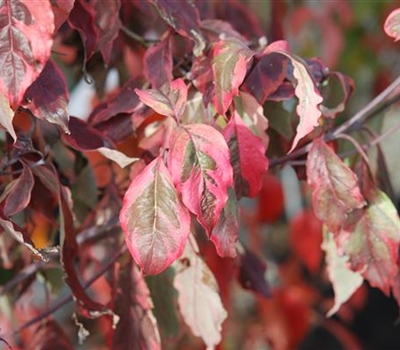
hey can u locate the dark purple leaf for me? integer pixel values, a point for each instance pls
(61, 10)
(47, 98)
(252, 274)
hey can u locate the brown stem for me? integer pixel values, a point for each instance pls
(69, 297)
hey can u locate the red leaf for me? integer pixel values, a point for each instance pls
(169, 100)
(157, 63)
(268, 74)
(98, 24)
(184, 18)
(155, 223)
(18, 193)
(392, 24)
(26, 30)
(226, 233)
(61, 10)
(137, 327)
(271, 199)
(47, 98)
(248, 158)
(6, 116)
(344, 281)
(201, 171)
(306, 238)
(371, 240)
(335, 186)
(126, 101)
(198, 299)
(229, 65)
(50, 335)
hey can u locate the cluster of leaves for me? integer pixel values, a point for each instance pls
(163, 165)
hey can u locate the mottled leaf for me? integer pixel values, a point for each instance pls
(61, 10)
(198, 299)
(309, 100)
(169, 100)
(199, 163)
(116, 156)
(392, 24)
(229, 65)
(345, 282)
(335, 187)
(157, 63)
(26, 35)
(267, 75)
(184, 18)
(49, 335)
(6, 116)
(155, 222)
(248, 158)
(226, 233)
(17, 194)
(371, 239)
(252, 274)
(137, 327)
(47, 98)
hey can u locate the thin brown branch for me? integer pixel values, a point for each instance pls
(141, 40)
(64, 301)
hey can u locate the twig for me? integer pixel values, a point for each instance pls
(64, 301)
(141, 40)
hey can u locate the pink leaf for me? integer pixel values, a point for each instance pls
(201, 171)
(169, 100)
(157, 63)
(137, 326)
(6, 116)
(248, 158)
(47, 98)
(392, 24)
(184, 18)
(335, 186)
(50, 335)
(344, 281)
(226, 233)
(155, 223)
(371, 240)
(61, 10)
(26, 30)
(198, 299)
(229, 66)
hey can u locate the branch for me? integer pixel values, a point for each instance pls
(381, 102)
(69, 297)
(141, 40)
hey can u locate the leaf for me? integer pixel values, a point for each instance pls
(248, 158)
(267, 75)
(155, 223)
(392, 24)
(157, 63)
(184, 18)
(126, 101)
(118, 157)
(6, 116)
(26, 32)
(49, 335)
(18, 193)
(335, 187)
(229, 65)
(199, 163)
(137, 327)
(169, 100)
(198, 299)
(61, 10)
(226, 233)
(47, 98)
(252, 274)
(345, 282)
(371, 239)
